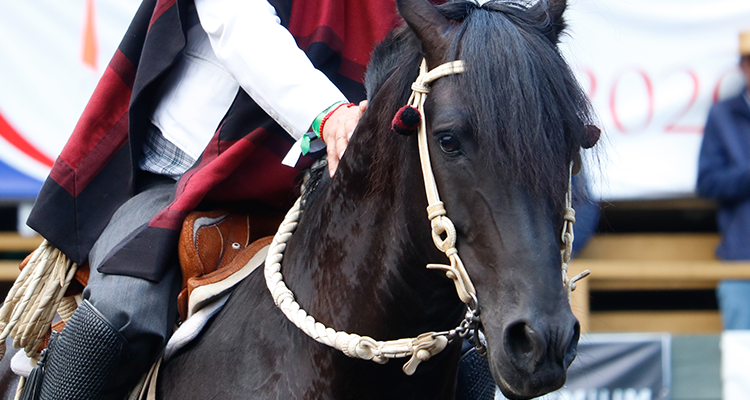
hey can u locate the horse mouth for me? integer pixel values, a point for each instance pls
(516, 384)
(515, 393)
(508, 390)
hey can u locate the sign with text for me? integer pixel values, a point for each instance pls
(652, 69)
(633, 366)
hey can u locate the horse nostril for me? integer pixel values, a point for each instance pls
(571, 350)
(524, 344)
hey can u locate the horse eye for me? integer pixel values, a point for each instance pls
(449, 144)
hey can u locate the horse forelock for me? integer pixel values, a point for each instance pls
(531, 122)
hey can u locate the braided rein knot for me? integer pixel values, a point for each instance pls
(420, 87)
(443, 225)
(567, 249)
(567, 235)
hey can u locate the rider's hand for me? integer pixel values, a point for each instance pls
(338, 130)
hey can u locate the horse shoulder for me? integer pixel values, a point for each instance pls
(249, 350)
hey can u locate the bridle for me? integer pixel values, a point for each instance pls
(426, 345)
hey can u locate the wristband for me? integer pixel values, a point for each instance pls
(325, 119)
(319, 122)
(319, 119)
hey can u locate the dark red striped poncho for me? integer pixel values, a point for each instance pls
(96, 171)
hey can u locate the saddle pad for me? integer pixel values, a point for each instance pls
(211, 286)
(190, 329)
(206, 300)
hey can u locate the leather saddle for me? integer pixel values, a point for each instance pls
(215, 244)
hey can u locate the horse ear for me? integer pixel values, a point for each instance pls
(590, 136)
(429, 25)
(553, 10)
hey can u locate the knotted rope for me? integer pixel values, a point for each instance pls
(420, 348)
(34, 298)
(423, 346)
(569, 219)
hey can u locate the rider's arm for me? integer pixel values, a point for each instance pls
(263, 57)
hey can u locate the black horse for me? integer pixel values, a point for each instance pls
(502, 136)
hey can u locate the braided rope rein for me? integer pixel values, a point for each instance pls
(420, 348)
(428, 344)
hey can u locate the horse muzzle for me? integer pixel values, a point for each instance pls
(532, 358)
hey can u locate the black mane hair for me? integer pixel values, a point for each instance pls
(531, 123)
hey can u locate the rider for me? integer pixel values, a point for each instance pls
(201, 101)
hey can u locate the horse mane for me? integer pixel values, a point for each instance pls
(537, 108)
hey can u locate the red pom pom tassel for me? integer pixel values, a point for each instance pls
(406, 121)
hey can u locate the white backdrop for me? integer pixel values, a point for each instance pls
(651, 67)
(45, 80)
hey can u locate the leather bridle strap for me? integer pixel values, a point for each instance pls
(441, 224)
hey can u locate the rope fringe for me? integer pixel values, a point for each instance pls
(34, 298)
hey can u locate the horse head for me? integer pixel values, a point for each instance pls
(502, 123)
(502, 136)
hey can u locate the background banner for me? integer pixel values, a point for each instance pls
(633, 366)
(52, 54)
(651, 68)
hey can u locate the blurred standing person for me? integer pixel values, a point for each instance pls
(724, 176)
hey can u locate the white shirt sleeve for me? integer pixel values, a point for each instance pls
(262, 56)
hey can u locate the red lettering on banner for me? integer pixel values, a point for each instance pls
(722, 77)
(649, 98)
(674, 126)
(676, 123)
(591, 89)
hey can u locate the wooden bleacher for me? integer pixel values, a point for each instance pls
(12, 242)
(633, 261)
(645, 261)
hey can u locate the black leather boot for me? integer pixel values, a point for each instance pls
(85, 358)
(474, 377)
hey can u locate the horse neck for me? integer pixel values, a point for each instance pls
(357, 260)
